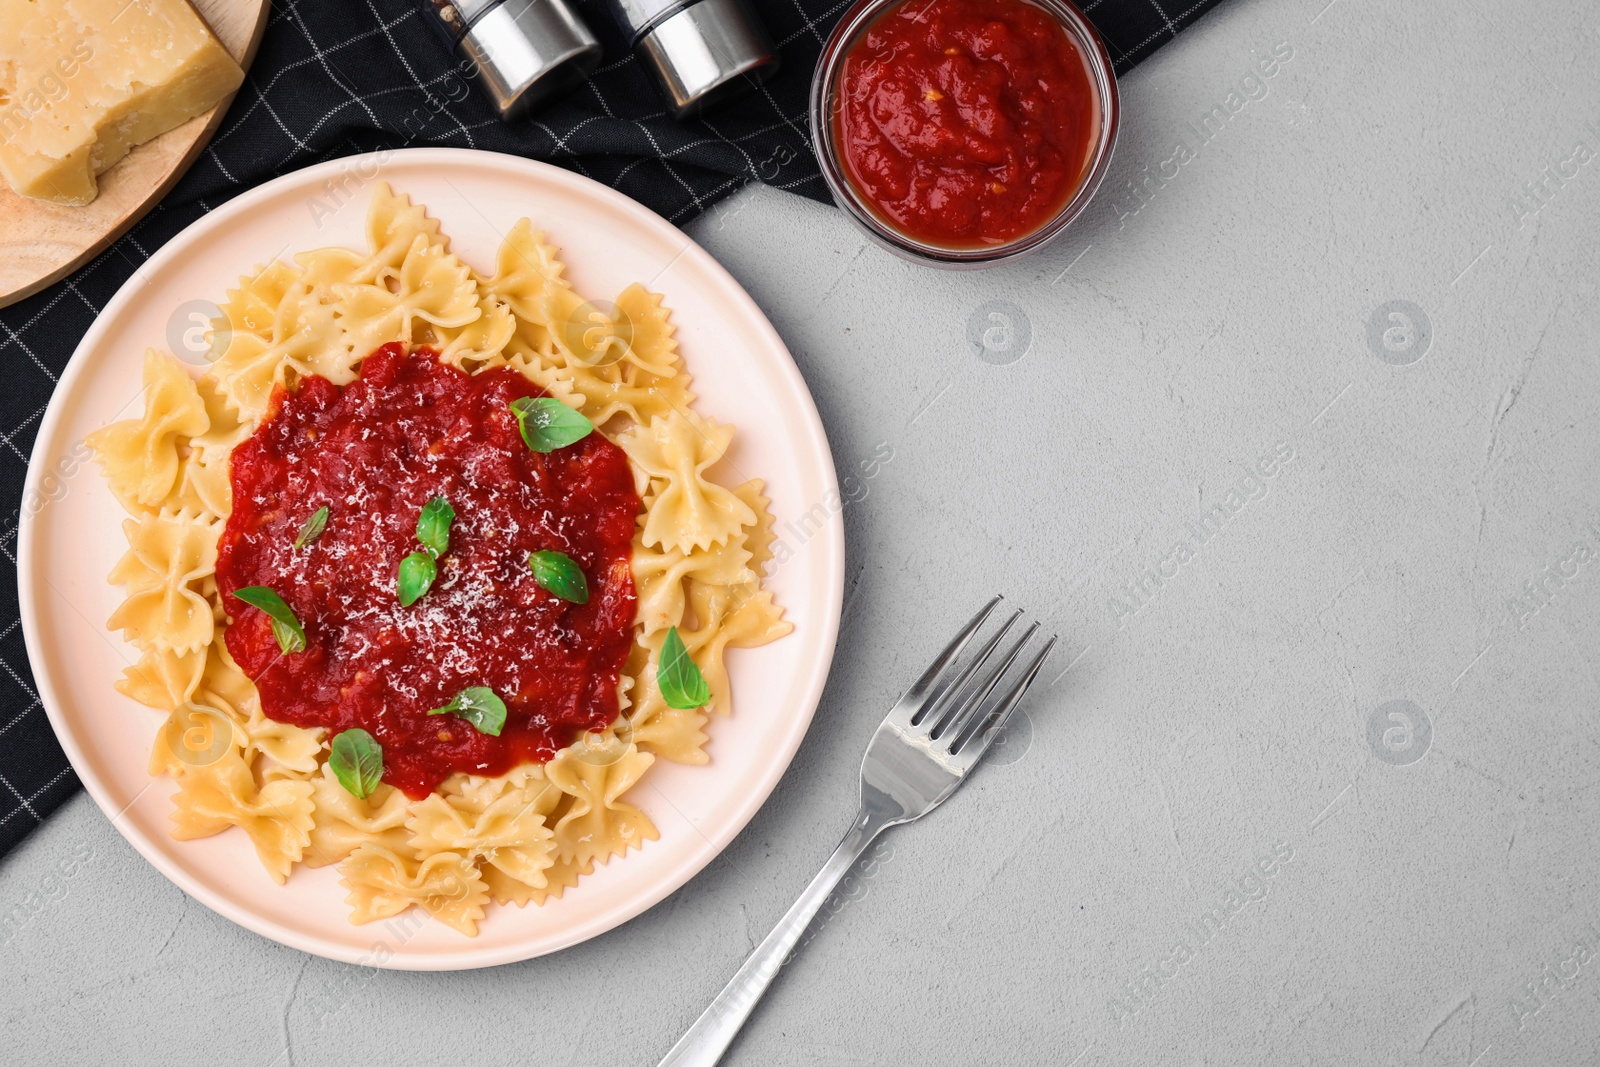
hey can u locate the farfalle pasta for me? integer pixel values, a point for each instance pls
(337, 323)
(671, 454)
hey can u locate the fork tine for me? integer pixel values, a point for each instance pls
(972, 702)
(916, 699)
(985, 728)
(951, 690)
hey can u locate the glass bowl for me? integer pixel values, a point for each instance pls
(825, 102)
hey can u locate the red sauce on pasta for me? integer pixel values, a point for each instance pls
(375, 452)
(966, 122)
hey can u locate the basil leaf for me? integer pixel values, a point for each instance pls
(682, 684)
(357, 761)
(285, 627)
(433, 526)
(558, 573)
(417, 572)
(480, 706)
(547, 424)
(313, 528)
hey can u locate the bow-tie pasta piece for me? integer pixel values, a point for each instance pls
(436, 287)
(528, 275)
(676, 734)
(163, 679)
(659, 576)
(253, 307)
(598, 825)
(508, 835)
(479, 343)
(277, 816)
(652, 346)
(165, 557)
(367, 317)
(624, 359)
(301, 337)
(141, 456)
(383, 884)
(280, 749)
(690, 511)
(308, 336)
(202, 489)
(394, 225)
(743, 616)
(246, 375)
(343, 823)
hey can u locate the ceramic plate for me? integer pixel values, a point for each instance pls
(71, 537)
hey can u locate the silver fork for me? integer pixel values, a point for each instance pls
(931, 739)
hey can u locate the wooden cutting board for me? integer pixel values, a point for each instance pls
(41, 242)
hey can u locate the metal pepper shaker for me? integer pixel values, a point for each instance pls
(523, 51)
(700, 52)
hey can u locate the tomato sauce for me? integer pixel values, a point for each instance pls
(374, 452)
(966, 123)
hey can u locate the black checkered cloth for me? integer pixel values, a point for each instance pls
(333, 79)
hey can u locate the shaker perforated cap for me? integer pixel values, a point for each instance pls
(522, 51)
(710, 51)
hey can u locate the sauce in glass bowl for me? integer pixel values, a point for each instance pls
(961, 133)
(966, 122)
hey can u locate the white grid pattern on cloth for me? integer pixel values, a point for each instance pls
(336, 79)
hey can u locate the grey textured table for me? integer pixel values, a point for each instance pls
(1217, 839)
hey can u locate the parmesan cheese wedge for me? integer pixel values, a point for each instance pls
(83, 81)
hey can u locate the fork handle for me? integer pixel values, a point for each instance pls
(712, 1033)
